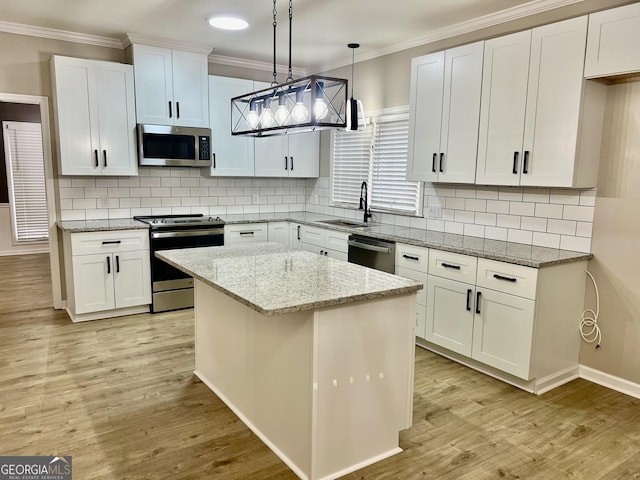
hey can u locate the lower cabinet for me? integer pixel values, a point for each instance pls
(279, 232)
(108, 273)
(246, 233)
(329, 243)
(411, 262)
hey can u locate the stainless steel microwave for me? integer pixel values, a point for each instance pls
(171, 146)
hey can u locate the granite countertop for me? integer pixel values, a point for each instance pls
(76, 226)
(274, 279)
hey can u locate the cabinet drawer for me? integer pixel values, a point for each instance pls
(338, 241)
(453, 266)
(411, 257)
(312, 235)
(507, 278)
(421, 298)
(246, 233)
(88, 243)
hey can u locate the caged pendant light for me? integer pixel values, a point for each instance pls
(310, 103)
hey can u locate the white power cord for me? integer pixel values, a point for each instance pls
(589, 329)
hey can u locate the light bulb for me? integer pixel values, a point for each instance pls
(300, 112)
(282, 115)
(253, 119)
(267, 119)
(320, 109)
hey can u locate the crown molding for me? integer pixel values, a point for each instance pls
(255, 65)
(53, 34)
(131, 38)
(503, 16)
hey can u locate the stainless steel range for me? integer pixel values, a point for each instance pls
(171, 288)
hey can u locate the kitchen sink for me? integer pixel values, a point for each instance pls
(344, 223)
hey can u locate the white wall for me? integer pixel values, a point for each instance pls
(6, 237)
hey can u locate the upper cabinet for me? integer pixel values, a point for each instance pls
(445, 107)
(94, 117)
(540, 121)
(171, 86)
(232, 155)
(612, 44)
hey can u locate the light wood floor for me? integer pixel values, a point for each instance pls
(119, 395)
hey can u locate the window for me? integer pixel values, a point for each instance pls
(376, 154)
(25, 176)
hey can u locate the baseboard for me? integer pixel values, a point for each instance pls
(30, 251)
(610, 381)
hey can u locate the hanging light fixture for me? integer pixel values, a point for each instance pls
(310, 103)
(352, 106)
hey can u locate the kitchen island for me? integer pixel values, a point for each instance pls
(314, 355)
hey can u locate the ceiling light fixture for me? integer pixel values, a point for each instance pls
(310, 103)
(227, 22)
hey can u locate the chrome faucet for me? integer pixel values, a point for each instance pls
(363, 202)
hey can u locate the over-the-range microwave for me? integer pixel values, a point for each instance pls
(172, 146)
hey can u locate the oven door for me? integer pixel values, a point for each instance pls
(164, 276)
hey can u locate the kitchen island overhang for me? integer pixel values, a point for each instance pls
(320, 368)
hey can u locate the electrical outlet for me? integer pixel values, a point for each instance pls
(434, 212)
(255, 198)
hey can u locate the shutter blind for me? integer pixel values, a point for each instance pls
(25, 175)
(350, 165)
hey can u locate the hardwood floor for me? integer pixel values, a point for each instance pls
(120, 396)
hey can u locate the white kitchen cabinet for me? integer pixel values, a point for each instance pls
(246, 233)
(232, 155)
(445, 107)
(171, 86)
(108, 273)
(94, 117)
(612, 42)
(296, 155)
(540, 121)
(279, 232)
(295, 236)
(411, 262)
(326, 242)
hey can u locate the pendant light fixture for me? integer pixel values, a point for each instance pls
(352, 106)
(310, 103)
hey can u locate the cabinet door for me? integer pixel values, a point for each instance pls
(312, 235)
(295, 236)
(152, 67)
(232, 155)
(132, 278)
(93, 283)
(279, 232)
(304, 154)
(427, 77)
(76, 107)
(271, 156)
(117, 119)
(449, 317)
(504, 97)
(503, 332)
(190, 89)
(460, 113)
(554, 103)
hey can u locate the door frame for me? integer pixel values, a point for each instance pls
(51, 187)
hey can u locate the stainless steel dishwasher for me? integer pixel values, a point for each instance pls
(372, 253)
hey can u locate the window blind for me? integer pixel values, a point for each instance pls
(351, 164)
(25, 175)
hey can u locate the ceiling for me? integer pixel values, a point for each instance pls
(321, 28)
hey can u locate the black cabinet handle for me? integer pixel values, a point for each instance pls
(448, 265)
(247, 233)
(104, 153)
(441, 162)
(433, 162)
(214, 160)
(108, 265)
(97, 161)
(525, 162)
(469, 299)
(170, 111)
(410, 257)
(291, 163)
(515, 163)
(478, 302)
(111, 242)
(286, 163)
(506, 279)
(177, 109)
(117, 264)
(298, 232)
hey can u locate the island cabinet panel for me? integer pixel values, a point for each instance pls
(327, 390)
(412, 262)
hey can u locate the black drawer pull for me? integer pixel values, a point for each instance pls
(525, 162)
(108, 265)
(292, 164)
(441, 162)
(170, 113)
(178, 109)
(433, 162)
(515, 163)
(97, 161)
(469, 299)
(214, 160)
(448, 265)
(506, 279)
(478, 302)
(410, 257)
(298, 228)
(286, 163)
(247, 233)
(117, 263)
(104, 152)
(111, 242)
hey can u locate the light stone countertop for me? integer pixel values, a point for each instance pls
(77, 226)
(274, 279)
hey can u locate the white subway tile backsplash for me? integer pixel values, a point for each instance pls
(117, 192)
(522, 208)
(508, 221)
(83, 182)
(129, 182)
(466, 192)
(475, 205)
(66, 204)
(70, 192)
(435, 225)
(579, 244)
(97, 214)
(150, 182)
(170, 181)
(489, 219)
(546, 240)
(565, 197)
(588, 197)
(462, 216)
(452, 227)
(487, 193)
(190, 182)
(496, 233)
(171, 201)
(402, 221)
(180, 191)
(536, 195)
(581, 213)
(520, 236)
(533, 223)
(474, 230)
(548, 210)
(129, 202)
(512, 194)
(83, 203)
(190, 201)
(561, 227)
(584, 229)
(161, 192)
(72, 215)
(497, 206)
(106, 182)
(151, 202)
(418, 222)
(140, 192)
(119, 213)
(64, 182)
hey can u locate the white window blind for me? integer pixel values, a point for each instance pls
(376, 154)
(25, 175)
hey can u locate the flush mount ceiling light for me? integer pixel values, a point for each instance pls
(228, 22)
(310, 103)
